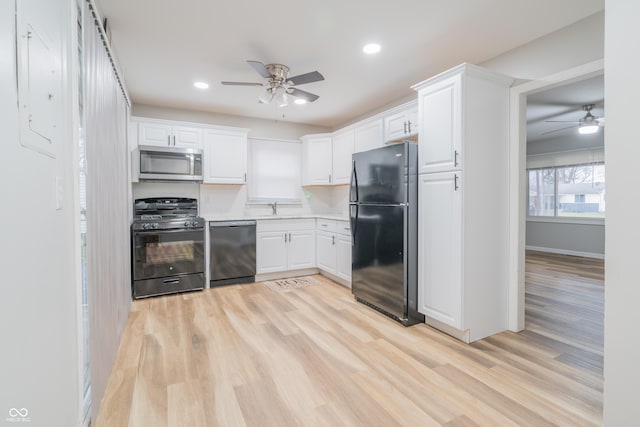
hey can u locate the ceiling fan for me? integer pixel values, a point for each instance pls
(586, 125)
(279, 85)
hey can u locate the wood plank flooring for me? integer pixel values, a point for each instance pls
(246, 355)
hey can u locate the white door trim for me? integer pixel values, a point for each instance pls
(517, 177)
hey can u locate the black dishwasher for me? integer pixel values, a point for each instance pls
(232, 252)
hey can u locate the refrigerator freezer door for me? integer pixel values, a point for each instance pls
(378, 274)
(379, 176)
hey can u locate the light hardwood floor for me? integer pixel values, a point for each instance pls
(248, 355)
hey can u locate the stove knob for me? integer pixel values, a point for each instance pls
(186, 223)
(145, 226)
(155, 225)
(194, 224)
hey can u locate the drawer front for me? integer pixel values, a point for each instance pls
(342, 227)
(326, 225)
(285, 224)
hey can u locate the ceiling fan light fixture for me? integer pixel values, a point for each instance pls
(300, 101)
(281, 97)
(588, 129)
(201, 85)
(266, 97)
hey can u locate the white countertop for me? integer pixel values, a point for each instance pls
(223, 217)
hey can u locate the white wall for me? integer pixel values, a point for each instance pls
(566, 48)
(39, 304)
(260, 128)
(622, 151)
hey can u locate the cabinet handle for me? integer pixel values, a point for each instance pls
(409, 126)
(333, 240)
(289, 237)
(455, 158)
(168, 139)
(456, 187)
(405, 126)
(245, 177)
(285, 237)
(329, 178)
(174, 140)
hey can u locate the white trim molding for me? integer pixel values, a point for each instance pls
(518, 180)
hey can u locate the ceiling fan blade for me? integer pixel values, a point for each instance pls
(241, 84)
(310, 97)
(558, 130)
(260, 68)
(562, 121)
(311, 77)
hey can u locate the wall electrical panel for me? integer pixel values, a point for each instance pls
(39, 85)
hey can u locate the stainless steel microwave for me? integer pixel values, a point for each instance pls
(169, 164)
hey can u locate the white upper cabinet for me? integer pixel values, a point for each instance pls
(441, 126)
(368, 135)
(401, 123)
(317, 159)
(164, 133)
(225, 156)
(343, 145)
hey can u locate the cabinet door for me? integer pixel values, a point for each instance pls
(440, 247)
(186, 136)
(316, 157)
(302, 249)
(271, 251)
(342, 150)
(369, 136)
(413, 121)
(154, 134)
(225, 158)
(395, 127)
(440, 126)
(343, 257)
(326, 251)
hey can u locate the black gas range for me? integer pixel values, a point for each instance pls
(167, 246)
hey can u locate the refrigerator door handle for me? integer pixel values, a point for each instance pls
(353, 184)
(353, 221)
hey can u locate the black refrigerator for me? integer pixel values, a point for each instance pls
(383, 210)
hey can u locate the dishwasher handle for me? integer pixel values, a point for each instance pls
(241, 223)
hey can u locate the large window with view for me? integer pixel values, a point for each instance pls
(575, 191)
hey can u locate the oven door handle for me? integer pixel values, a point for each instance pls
(171, 281)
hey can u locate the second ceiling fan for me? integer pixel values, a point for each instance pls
(279, 85)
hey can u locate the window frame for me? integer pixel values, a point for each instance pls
(252, 198)
(556, 218)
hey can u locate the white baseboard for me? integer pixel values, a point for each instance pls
(286, 274)
(339, 280)
(565, 252)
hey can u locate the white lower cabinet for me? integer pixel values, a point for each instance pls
(333, 248)
(440, 248)
(283, 245)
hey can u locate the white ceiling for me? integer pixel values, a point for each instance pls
(563, 103)
(163, 46)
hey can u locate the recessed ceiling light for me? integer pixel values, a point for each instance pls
(300, 101)
(371, 48)
(201, 85)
